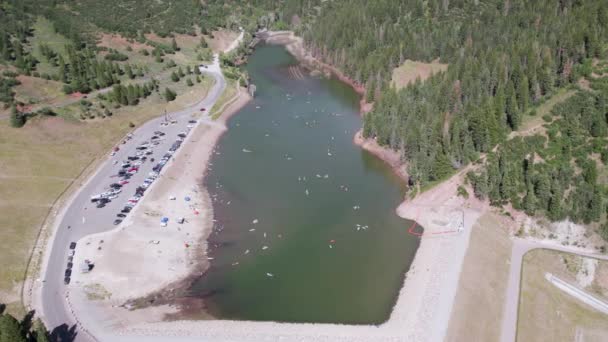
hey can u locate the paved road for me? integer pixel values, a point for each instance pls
(578, 293)
(520, 248)
(84, 218)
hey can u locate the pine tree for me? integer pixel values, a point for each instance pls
(174, 77)
(132, 95)
(170, 95)
(129, 72)
(523, 94)
(189, 82)
(10, 329)
(17, 119)
(512, 110)
(174, 45)
(530, 199)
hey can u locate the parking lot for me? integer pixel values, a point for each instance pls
(84, 217)
(131, 176)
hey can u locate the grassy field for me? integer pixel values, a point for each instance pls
(409, 71)
(227, 96)
(478, 306)
(44, 33)
(546, 313)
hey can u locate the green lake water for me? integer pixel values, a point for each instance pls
(325, 209)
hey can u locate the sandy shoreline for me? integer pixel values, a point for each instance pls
(295, 46)
(155, 271)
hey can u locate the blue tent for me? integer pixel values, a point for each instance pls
(164, 219)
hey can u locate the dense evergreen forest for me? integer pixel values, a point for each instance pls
(505, 57)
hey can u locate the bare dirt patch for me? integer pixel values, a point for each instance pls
(410, 70)
(114, 41)
(478, 307)
(221, 40)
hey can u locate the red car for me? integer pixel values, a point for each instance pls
(133, 169)
(123, 182)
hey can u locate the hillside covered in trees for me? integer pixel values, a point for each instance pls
(505, 57)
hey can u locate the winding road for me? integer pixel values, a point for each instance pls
(80, 217)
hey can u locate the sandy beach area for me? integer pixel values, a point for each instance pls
(422, 310)
(140, 258)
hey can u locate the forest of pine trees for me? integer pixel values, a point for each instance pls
(505, 58)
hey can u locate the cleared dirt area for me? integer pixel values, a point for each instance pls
(40, 160)
(546, 313)
(222, 39)
(410, 70)
(478, 307)
(119, 42)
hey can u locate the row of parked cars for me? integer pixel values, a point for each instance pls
(70, 264)
(131, 166)
(144, 150)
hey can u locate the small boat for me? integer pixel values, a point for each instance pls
(265, 247)
(269, 274)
